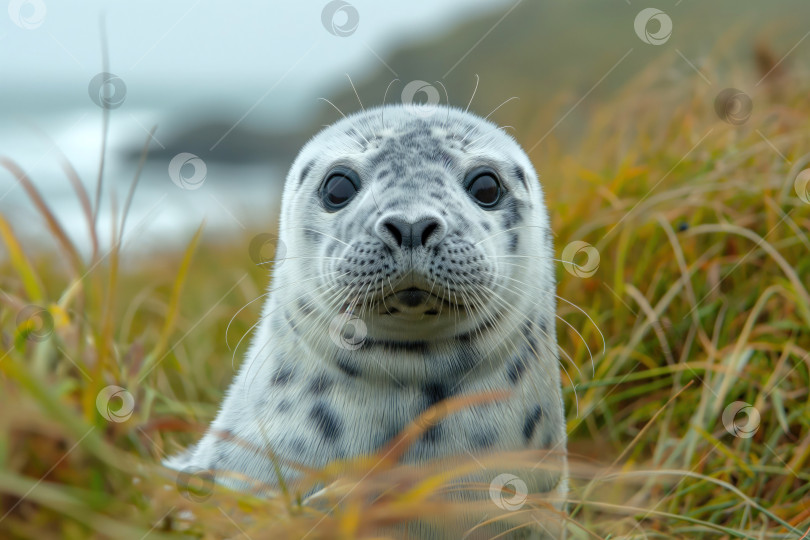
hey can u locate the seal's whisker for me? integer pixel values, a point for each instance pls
(447, 102)
(528, 319)
(473, 93)
(545, 334)
(335, 107)
(542, 227)
(539, 258)
(584, 342)
(500, 128)
(382, 114)
(320, 257)
(544, 342)
(228, 327)
(499, 106)
(272, 311)
(344, 116)
(355, 93)
(323, 233)
(331, 291)
(325, 286)
(578, 308)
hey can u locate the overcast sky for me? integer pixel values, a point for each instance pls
(266, 62)
(185, 51)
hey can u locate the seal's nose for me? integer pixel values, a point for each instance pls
(401, 234)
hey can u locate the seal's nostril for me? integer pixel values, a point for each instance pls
(423, 231)
(428, 230)
(395, 232)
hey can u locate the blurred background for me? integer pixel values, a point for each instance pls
(239, 88)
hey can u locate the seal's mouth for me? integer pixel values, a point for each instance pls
(415, 301)
(412, 296)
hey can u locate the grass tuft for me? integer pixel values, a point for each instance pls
(701, 294)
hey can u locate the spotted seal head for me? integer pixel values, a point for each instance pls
(418, 266)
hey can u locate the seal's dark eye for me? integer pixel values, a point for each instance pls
(340, 186)
(484, 186)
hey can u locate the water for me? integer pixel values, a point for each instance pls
(231, 198)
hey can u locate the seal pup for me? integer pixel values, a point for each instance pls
(418, 267)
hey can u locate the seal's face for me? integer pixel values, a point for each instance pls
(413, 224)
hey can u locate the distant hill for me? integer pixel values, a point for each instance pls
(551, 55)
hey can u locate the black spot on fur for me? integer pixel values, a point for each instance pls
(305, 306)
(284, 405)
(313, 236)
(282, 376)
(290, 323)
(434, 392)
(513, 242)
(548, 439)
(516, 370)
(529, 330)
(327, 423)
(298, 445)
(305, 172)
(521, 176)
(320, 384)
(532, 419)
(483, 439)
(348, 368)
(466, 358)
(383, 437)
(432, 434)
(398, 346)
(482, 328)
(511, 213)
(220, 460)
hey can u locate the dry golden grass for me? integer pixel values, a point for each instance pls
(701, 293)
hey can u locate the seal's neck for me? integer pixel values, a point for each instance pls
(320, 341)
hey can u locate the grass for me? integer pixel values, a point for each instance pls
(701, 293)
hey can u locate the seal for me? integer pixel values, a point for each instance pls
(418, 267)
